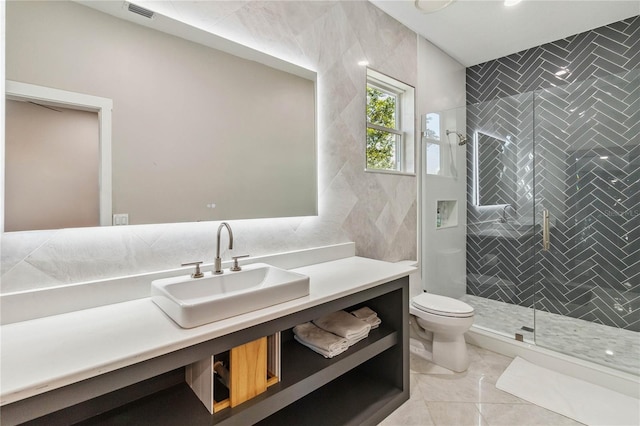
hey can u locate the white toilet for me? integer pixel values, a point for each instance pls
(442, 321)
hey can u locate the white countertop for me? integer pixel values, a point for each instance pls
(47, 353)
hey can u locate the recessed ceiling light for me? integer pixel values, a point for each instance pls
(509, 3)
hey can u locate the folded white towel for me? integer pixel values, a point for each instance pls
(368, 315)
(364, 313)
(323, 352)
(355, 339)
(374, 322)
(343, 324)
(319, 340)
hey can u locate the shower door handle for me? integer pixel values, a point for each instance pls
(546, 243)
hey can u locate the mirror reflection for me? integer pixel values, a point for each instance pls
(444, 141)
(495, 170)
(197, 133)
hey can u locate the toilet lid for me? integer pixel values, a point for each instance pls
(442, 305)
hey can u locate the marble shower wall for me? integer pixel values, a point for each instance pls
(376, 211)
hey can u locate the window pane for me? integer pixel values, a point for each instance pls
(381, 150)
(433, 158)
(381, 107)
(432, 126)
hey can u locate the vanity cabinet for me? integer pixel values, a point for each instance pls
(360, 386)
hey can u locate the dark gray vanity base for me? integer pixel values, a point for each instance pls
(360, 386)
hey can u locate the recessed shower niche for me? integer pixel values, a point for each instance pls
(446, 214)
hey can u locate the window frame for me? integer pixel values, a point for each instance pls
(403, 131)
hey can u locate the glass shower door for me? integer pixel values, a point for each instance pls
(500, 228)
(587, 206)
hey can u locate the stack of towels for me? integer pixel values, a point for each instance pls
(367, 315)
(333, 334)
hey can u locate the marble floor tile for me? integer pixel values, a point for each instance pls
(456, 414)
(412, 412)
(414, 389)
(440, 397)
(522, 415)
(488, 364)
(465, 387)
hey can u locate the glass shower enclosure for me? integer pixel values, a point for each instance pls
(587, 180)
(553, 218)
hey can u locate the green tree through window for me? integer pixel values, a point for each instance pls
(382, 142)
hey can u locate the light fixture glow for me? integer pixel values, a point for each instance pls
(608, 352)
(604, 157)
(430, 6)
(562, 72)
(510, 3)
(363, 63)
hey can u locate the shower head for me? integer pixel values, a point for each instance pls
(462, 139)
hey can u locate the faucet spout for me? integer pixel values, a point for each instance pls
(503, 219)
(218, 261)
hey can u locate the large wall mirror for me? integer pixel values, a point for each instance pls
(495, 170)
(201, 128)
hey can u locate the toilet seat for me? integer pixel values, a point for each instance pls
(442, 305)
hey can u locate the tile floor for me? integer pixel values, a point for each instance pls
(609, 346)
(441, 397)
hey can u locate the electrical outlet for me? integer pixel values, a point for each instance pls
(120, 219)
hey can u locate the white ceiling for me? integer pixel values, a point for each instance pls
(476, 31)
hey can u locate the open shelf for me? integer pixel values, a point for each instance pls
(311, 389)
(303, 371)
(322, 408)
(177, 405)
(302, 363)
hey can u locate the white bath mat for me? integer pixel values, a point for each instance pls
(582, 401)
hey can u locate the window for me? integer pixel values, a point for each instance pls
(390, 118)
(431, 127)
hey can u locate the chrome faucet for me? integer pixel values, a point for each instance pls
(218, 262)
(503, 218)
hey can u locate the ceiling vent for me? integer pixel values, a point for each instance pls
(140, 10)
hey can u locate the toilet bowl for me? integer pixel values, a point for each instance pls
(442, 322)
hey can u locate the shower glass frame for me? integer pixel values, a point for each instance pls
(587, 177)
(506, 261)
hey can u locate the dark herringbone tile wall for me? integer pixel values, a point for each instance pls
(605, 51)
(571, 112)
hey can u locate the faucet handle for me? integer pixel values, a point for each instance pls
(236, 267)
(197, 273)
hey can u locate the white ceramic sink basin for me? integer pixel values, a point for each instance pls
(196, 301)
